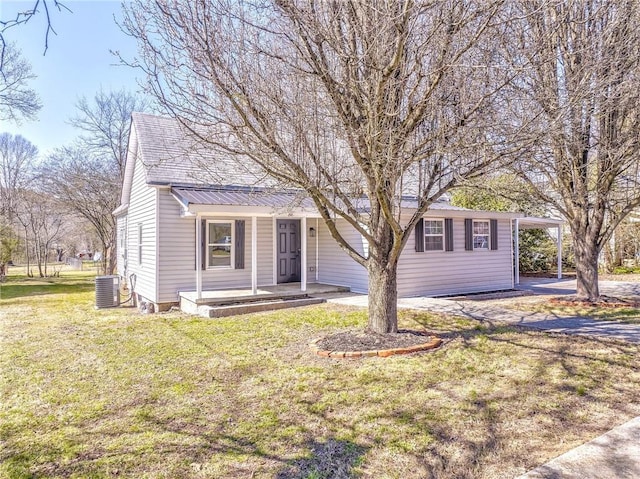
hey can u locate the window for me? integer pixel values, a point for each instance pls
(481, 234)
(219, 244)
(140, 243)
(123, 241)
(433, 235)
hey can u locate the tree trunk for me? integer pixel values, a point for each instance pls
(26, 252)
(586, 268)
(111, 259)
(383, 297)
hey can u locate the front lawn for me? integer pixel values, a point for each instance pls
(113, 393)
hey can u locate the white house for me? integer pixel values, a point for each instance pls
(189, 223)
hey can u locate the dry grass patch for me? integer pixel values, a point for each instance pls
(111, 393)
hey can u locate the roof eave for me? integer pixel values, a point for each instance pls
(121, 210)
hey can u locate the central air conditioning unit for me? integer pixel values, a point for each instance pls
(107, 291)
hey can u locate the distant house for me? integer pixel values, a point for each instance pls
(190, 222)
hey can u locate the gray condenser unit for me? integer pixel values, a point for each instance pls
(107, 291)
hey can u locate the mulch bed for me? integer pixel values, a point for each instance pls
(355, 344)
(602, 302)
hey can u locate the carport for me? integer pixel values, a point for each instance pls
(528, 222)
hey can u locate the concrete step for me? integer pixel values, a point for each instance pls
(254, 299)
(221, 311)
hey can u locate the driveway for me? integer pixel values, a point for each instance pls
(491, 312)
(568, 286)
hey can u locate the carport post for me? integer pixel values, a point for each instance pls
(559, 245)
(516, 251)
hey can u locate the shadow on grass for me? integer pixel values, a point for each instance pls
(331, 459)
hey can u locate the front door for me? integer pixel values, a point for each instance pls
(288, 258)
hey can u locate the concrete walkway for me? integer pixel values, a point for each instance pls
(488, 312)
(614, 455)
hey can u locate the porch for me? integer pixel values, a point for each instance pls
(230, 302)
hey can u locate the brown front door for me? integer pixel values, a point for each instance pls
(288, 247)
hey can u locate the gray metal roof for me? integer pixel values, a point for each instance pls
(276, 199)
(242, 197)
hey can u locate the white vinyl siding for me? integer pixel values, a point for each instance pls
(177, 243)
(140, 243)
(457, 272)
(121, 241)
(337, 267)
(177, 268)
(141, 251)
(421, 274)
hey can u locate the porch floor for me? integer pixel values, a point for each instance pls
(279, 291)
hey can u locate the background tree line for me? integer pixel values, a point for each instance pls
(55, 206)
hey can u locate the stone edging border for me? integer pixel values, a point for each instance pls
(433, 343)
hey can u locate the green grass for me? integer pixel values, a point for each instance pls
(70, 282)
(88, 393)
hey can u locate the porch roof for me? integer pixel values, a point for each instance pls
(242, 196)
(262, 200)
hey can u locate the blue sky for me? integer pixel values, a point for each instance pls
(77, 63)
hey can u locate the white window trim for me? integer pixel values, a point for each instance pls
(488, 235)
(365, 241)
(232, 264)
(140, 244)
(441, 220)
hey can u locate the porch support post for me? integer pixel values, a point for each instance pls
(254, 254)
(303, 254)
(198, 257)
(516, 251)
(317, 250)
(559, 244)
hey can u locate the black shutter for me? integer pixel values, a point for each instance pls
(468, 234)
(493, 234)
(203, 244)
(448, 234)
(239, 245)
(420, 236)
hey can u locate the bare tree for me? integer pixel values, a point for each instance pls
(86, 178)
(17, 158)
(17, 162)
(86, 185)
(23, 16)
(355, 102)
(580, 69)
(105, 124)
(17, 101)
(43, 225)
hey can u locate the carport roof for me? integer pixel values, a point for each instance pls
(530, 222)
